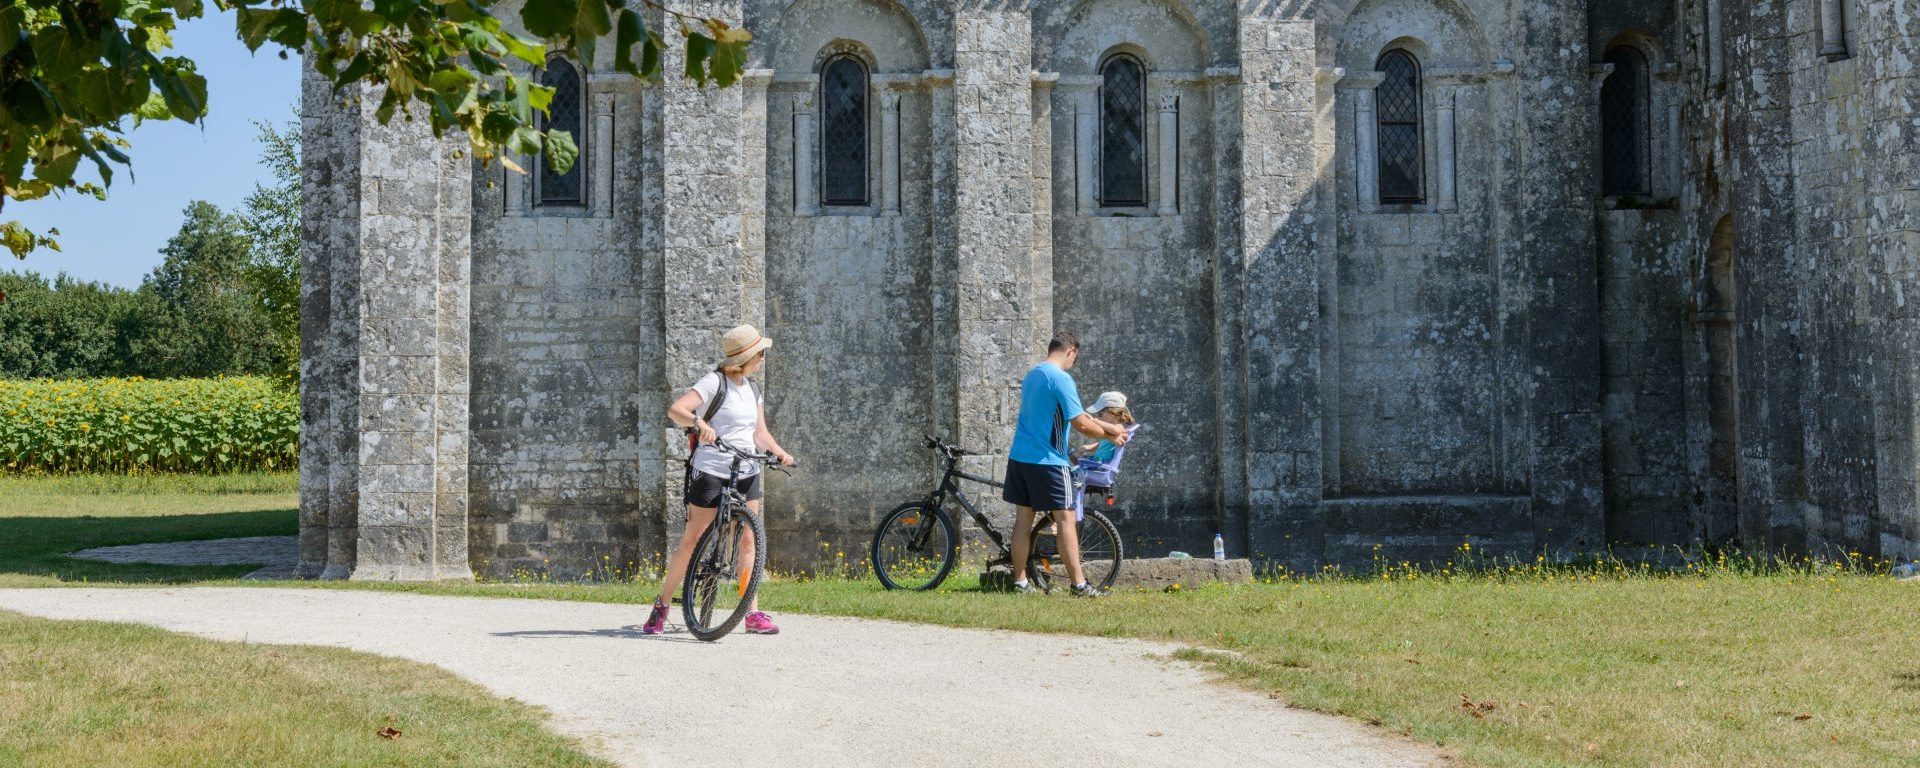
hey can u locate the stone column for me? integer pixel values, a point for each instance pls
(998, 327)
(1366, 162)
(416, 204)
(324, 229)
(1086, 151)
(1274, 217)
(1672, 147)
(514, 184)
(600, 152)
(1443, 98)
(710, 280)
(806, 172)
(1716, 43)
(889, 152)
(1833, 30)
(1169, 165)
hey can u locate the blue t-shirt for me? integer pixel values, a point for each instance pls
(1048, 401)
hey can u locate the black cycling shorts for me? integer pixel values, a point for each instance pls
(1038, 486)
(704, 489)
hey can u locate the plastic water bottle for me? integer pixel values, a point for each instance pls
(1219, 547)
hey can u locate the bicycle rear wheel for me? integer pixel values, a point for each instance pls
(719, 587)
(1100, 553)
(915, 548)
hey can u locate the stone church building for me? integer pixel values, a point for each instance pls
(1544, 276)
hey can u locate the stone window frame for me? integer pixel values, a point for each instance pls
(1662, 134)
(1634, 84)
(582, 139)
(1440, 88)
(808, 131)
(1122, 55)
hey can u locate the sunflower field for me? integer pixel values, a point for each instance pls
(223, 424)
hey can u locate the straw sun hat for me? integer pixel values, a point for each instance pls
(739, 345)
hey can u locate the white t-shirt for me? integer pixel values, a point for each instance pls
(735, 423)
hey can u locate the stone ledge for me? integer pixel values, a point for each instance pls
(1152, 573)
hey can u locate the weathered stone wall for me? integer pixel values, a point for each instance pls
(567, 359)
(1118, 270)
(851, 387)
(1515, 361)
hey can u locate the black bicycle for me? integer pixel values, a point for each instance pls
(918, 543)
(717, 582)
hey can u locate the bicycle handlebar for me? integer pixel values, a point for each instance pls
(764, 458)
(950, 449)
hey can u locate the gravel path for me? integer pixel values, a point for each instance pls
(827, 692)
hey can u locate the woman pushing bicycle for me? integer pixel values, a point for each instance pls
(723, 406)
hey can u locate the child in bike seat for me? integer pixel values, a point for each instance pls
(1093, 473)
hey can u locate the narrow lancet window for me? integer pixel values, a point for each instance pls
(843, 132)
(1623, 124)
(1402, 146)
(563, 114)
(1123, 132)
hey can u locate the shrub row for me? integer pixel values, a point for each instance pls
(224, 424)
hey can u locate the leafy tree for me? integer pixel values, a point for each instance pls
(74, 73)
(199, 315)
(60, 328)
(271, 220)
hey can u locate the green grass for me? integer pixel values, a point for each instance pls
(1602, 667)
(42, 518)
(95, 694)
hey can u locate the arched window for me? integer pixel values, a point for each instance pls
(1123, 132)
(1623, 124)
(1402, 148)
(843, 131)
(563, 114)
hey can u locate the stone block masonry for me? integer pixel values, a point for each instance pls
(1509, 358)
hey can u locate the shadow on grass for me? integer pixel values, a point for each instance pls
(34, 549)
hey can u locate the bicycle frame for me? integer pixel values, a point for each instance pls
(950, 486)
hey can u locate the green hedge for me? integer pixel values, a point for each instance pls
(225, 424)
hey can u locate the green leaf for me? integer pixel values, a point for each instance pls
(729, 60)
(561, 151)
(699, 48)
(650, 56)
(548, 19)
(27, 103)
(630, 30)
(592, 23)
(12, 19)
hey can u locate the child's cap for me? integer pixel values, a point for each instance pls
(1107, 400)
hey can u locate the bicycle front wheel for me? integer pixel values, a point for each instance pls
(1100, 553)
(721, 582)
(915, 548)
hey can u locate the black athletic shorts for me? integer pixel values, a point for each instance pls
(1039, 486)
(704, 489)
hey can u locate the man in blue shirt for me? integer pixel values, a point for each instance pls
(1039, 476)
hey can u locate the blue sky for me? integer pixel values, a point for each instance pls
(118, 241)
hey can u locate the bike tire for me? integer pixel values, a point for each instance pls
(1100, 549)
(710, 564)
(898, 529)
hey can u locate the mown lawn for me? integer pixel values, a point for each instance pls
(78, 693)
(1554, 667)
(100, 694)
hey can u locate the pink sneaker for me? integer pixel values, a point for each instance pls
(657, 622)
(759, 623)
